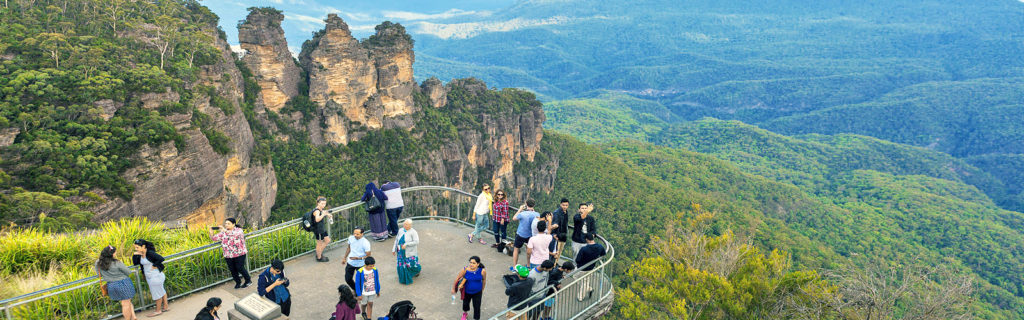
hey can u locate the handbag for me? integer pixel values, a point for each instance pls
(373, 204)
(103, 290)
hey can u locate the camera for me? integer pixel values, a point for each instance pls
(215, 228)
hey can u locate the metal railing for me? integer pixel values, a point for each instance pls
(203, 267)
(581, 296)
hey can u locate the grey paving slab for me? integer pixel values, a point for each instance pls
(443, 252)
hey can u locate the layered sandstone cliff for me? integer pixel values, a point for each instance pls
(196, 184)
(359, 86)
(267, 55)
(490, 152)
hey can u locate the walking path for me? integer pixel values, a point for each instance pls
(443, 252)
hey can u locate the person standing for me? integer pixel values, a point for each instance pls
(406, 253)
(583, 224)
(209, 312)
(483, 207)
(152, 266)
(119, 284)
(322, 219)
(274, 286)
(500, 217)
(368, 286)
(539, 275)
(232, 242)
(587, 260)
(347, 307)
(525, 216)
(355, 255)
(538, 248)
(393, 206)
(519, 291)
(560, 226)
(378, 221)
(472, 281)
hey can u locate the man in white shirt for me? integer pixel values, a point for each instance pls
(358, 250)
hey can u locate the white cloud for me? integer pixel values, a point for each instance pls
(470, 29)
(451, 13)
(304, 18)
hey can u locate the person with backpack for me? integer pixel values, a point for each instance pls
(347, 307)
(209, 312)
(471, 282)
(393, 206)
(406, 253)
(373, 200)
(320, 220)
(519, 290)
(152, 266)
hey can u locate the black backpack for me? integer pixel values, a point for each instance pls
(373, 204)
(402, 310)
(308, 223)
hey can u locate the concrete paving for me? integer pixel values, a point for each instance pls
(443, 252)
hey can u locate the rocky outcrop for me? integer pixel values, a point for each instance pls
(267, 55)
(436, 91)
(359, 86)
(492, 152)
(196, 183)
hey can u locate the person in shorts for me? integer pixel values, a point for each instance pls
(320, 218)
(525, 216)
(367, 287)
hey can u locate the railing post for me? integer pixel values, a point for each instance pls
(7, 310)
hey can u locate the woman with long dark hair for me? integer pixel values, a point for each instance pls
(210, 311)
(232, 241)
(472, 280)
(347, 307)
(500, 216)
(119, 284)
(152, 265)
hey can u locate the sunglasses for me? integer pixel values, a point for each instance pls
(500, 194)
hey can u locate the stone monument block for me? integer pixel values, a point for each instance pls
(258, 308)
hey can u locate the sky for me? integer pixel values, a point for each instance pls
(303, 17)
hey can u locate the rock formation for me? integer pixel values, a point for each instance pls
(267, 55)
(359, 86)
(196, 184)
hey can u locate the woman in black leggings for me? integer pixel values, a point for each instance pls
(472, 280)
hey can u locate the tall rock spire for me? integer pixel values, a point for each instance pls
(267, 55)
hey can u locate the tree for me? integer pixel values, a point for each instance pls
(905, 292)
(692, 273)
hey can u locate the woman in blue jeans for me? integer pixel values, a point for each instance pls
(499, 214)
(482, 208)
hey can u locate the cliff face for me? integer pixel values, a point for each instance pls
(359, 86)
(267, 55)
(503, 150)
(197, 184)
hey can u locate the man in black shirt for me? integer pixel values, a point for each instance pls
(519, 291)
(560, 222)
(589, 253)
(583, 224)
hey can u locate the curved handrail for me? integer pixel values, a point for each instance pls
(7, 304)
(187, 253)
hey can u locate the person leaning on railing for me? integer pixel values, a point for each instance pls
(519, 290)
(587, 260)
(119, 284)
(232, 241)
(152, 266)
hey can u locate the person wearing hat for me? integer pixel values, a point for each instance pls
(274, 286)
(520, 290)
